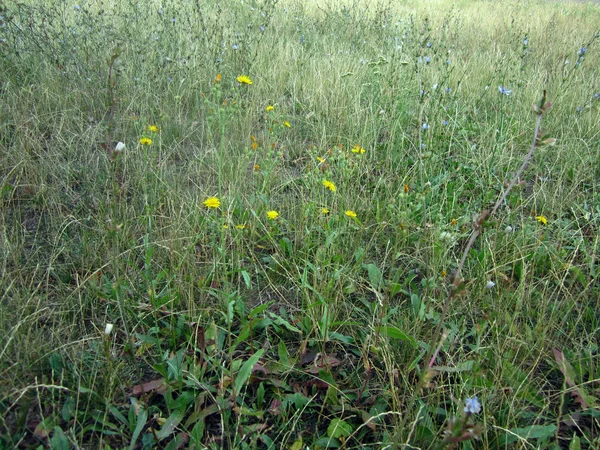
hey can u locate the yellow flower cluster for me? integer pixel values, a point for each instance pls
(244, 79)
(329, 185)
(212, 203)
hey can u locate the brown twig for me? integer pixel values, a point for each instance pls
(540, 110)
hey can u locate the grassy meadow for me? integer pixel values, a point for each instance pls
(291, 224)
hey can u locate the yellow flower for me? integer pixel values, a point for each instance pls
(325, 211)
(218, 78)
(145, 141)
(287, 124)
(453, 221)
(329, 185)
(244, 79)
(254, 145)
(272, 214)
(270, 108)
(256, 167)
(321, 160)
(240, 226)
(358, 149)
(153, 128)
(225, 226)
(541, 219)
(350, 213)
(212, 202)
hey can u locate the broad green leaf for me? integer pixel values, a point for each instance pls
(532, 432)
(247, 281)
(142, 417)
(397, 333)
(375, 275)
(171, 423)
(575, 443)
(259, 309)
(59, 441)
(338, 428)
(246, 371)
(279, 321)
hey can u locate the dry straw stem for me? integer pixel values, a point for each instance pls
(540, 110)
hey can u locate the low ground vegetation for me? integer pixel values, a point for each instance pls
(242, 225)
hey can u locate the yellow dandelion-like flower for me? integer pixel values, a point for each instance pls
(406, 188)
(270, 108)
(453, 221)
(212, 202)
(241, 226)
(287, 124)
(145, 141)
(256, 166)
(254, 145)
(218, 78)
(350, 214)
(225, 226)
(541, 219)
(358, 149)
(321, 160)
(244, 79)
(329, 185)
(153, 128)
(324, 211)
(272, 214)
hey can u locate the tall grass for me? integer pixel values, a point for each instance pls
(233, 328)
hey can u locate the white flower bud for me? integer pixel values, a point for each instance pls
(108, 328)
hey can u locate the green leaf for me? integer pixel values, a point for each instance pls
(339, 428)
(171, 423)
(59, 441)
(247, 281)
(259, 309)
(279, 321)
(246, 371)
(375, 275)
(397, 333)
(532, 432)
(142, 417)
(575, 443)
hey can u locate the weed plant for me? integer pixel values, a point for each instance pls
(284, 224)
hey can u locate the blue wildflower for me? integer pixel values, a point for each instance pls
(448, 90)
(429, 45)
(504, 91)
(444, 122)
(262, 28)
(579, 109)
(472, 405)
(427, 59)
(525, 42)
(597, 96)
(235, 46)
(582, 51)
(425, 126)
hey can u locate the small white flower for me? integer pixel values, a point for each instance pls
(119, 147)
(490, 284)
(108, 328)
(472, 405)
